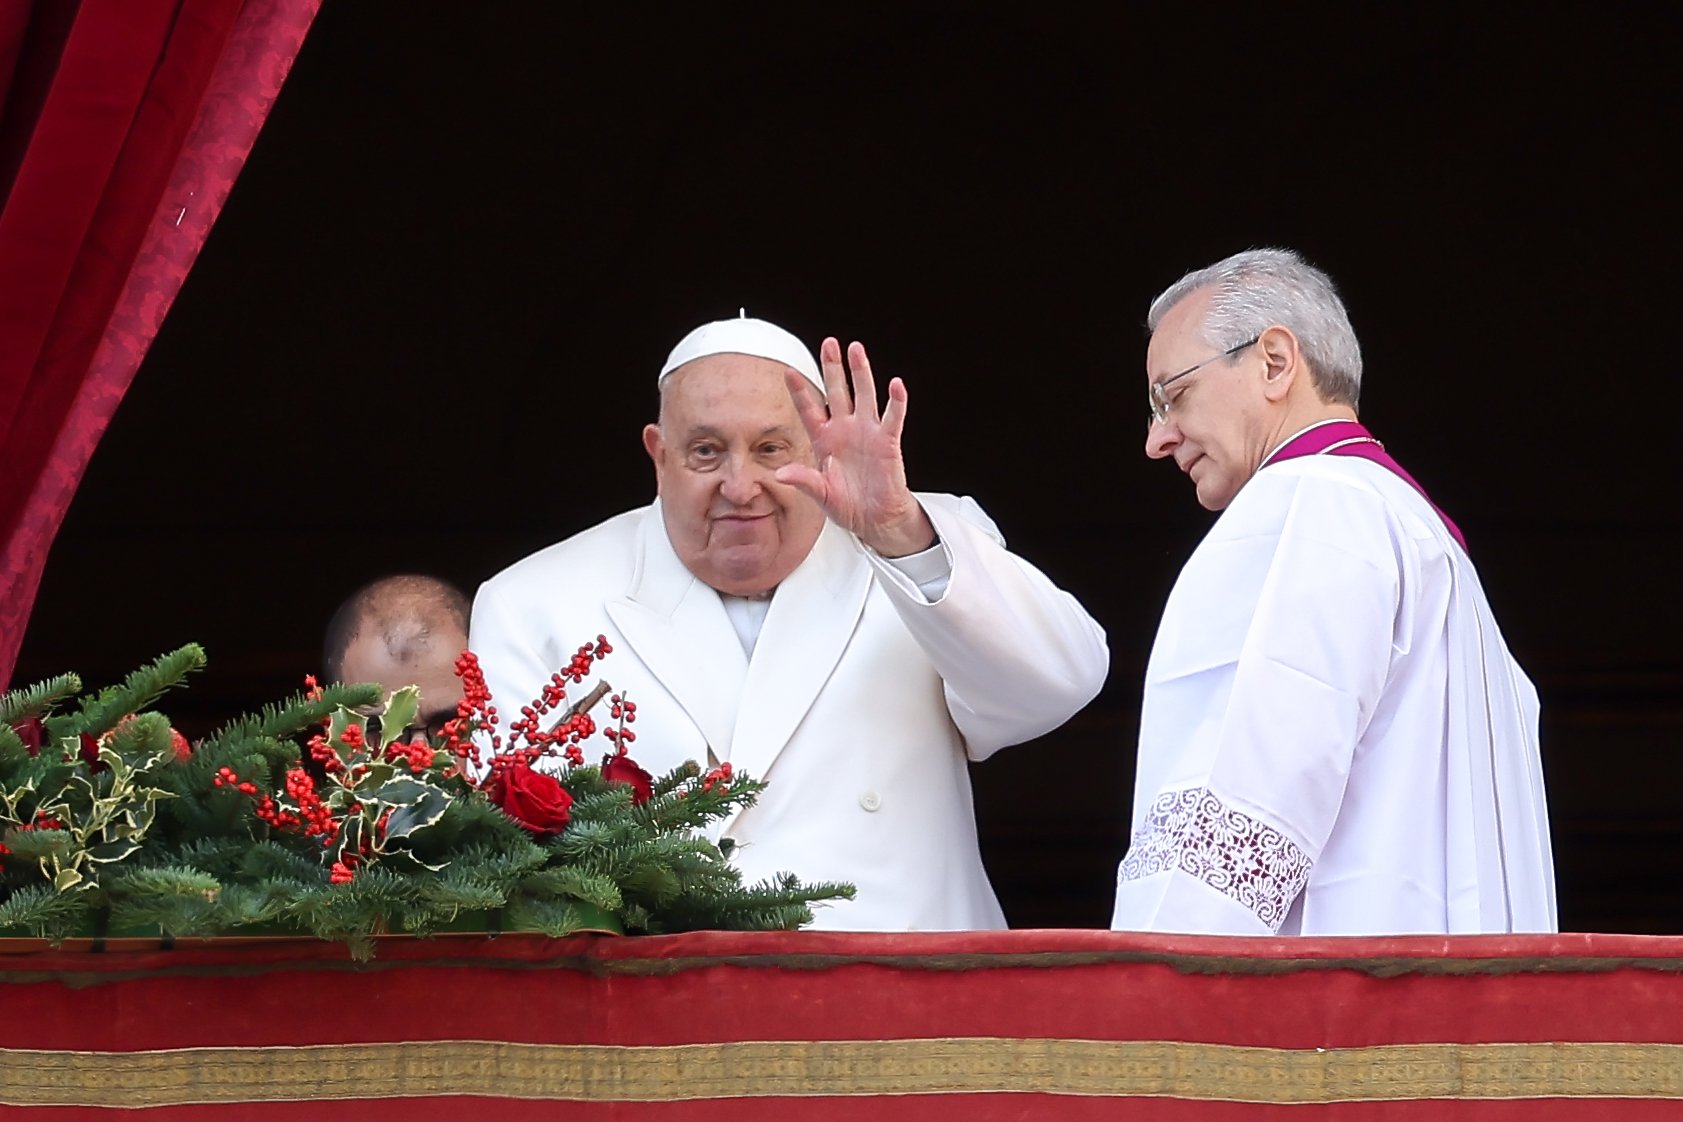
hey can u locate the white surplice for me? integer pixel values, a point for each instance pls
(1335, 739)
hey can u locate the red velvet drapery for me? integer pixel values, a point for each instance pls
(123, 124)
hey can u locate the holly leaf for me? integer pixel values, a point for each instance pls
(399, 715)
(399, 791)
(108, 852)
(408, 860)
(417, 815)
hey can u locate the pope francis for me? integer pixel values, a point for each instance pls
(788, 605)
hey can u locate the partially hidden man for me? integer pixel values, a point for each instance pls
(1335, 739)
(787, 605)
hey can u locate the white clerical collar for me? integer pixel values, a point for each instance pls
(1275, 451)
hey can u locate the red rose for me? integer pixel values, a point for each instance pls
(33, 733)
(623, 769)
(533, 799)
(90, 753)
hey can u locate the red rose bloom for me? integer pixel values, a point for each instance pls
(90, 753)
(33, 733)
(533, 799)
(623, 769)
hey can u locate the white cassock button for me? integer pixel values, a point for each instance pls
(870, 800)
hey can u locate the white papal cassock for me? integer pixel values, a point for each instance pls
(1335, 739)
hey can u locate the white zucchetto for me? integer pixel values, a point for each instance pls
(744, 336)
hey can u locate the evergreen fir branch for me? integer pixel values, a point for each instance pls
(179, 901)
(100, 712)
(553, 918)
(144, 737)
(13, 751)
(267, 860)
(574, 882)
(38, 700)
(247, 904)
(160, 881)
(676, 778)
(279, 721)
(450, 896)
(637, 918)
(39, 909)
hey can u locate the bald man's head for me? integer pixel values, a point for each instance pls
(400, 631)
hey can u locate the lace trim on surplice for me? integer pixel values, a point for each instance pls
(1248, 860)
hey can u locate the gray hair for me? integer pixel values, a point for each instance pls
(1259, 288)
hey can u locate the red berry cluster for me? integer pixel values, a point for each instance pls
(312, 818)
(625, 712)
(528, 739)
(418, 754)
(473, 711)
(43, 821)
(718, 778)
(312, 689)
(343, 870)
(226, 777)
(322, 753)
(579, 668)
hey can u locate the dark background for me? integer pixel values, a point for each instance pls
(424, 334)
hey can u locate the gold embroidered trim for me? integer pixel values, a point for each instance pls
(747, 1069)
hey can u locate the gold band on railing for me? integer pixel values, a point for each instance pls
(841, 1068)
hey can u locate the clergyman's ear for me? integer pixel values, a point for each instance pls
(1279, 350)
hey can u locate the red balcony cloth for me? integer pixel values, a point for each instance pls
(1023, 1024)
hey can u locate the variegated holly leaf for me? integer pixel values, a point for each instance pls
(399, 791)
(428, 808)
(106, 853)
(405, 859)
(378, 776)
(399, 715)
(10, 797)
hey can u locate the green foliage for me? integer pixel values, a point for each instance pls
(127, 829)
(38, 699)
(100, 712)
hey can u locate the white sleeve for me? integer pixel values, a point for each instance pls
(1018, 656)
(1275, 649)
(929, 570)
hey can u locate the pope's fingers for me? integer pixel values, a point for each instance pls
(808, 406)
(803, 478)
(864, 384)
(894, 417)
(835, 376)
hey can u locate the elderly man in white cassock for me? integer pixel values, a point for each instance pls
(789, 606)
(1335, 739)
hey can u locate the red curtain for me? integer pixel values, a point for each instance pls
(123, 124)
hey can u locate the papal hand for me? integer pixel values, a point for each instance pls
(860, 480)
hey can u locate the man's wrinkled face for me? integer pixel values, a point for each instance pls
(727, 423)
(1215, 429)
(432, 668)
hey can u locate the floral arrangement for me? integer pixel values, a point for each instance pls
(112, 822)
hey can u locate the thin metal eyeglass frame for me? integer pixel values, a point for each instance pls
(1158, 395)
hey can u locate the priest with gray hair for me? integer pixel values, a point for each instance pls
(788, 605)
(1335, 738)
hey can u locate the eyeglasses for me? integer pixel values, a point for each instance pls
(1158, 394)
(429, 726)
